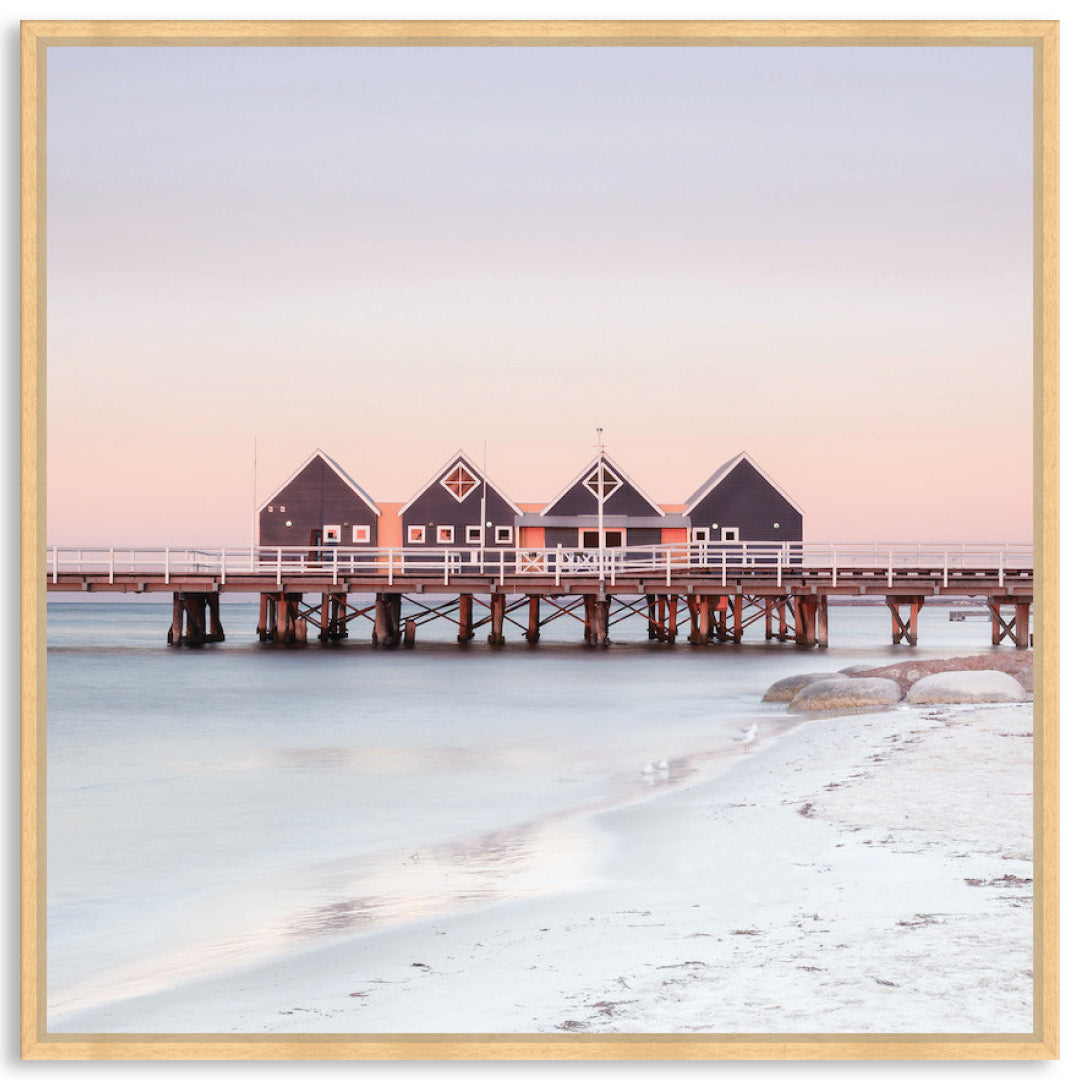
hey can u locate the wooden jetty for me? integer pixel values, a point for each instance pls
(710, 592)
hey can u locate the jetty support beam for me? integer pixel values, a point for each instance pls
(280, 621)
(387, 632)
(905, 630)
(196, 619)
(806, 609)
(823, 622)
(597, 610)
(465, 618)
(498, 610)
(1016, 629)
(333, 617)
(532, 635)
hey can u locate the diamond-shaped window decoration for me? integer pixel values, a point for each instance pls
(602, 475)
(459, 482)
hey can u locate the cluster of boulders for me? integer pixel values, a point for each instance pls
(863, 686)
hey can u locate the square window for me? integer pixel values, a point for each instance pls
(729, 534)
(444, 534)
(417, 534)
(331, 534)
(700, 534)
(504, 534)
(361, 534)
(472, 534)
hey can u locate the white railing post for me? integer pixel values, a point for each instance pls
(832, 548)
(390, 567)
(612, 557)
(446, 567)
(1001, 568)
(723, 566)
(889, 577)
(112, 564)
(55, 564)
(669, 566)
(222, 566)
(779, 570)
(279, 567)
(166, 566)
(502, 566)
(945, 576)
(558, 563)
(334, 560)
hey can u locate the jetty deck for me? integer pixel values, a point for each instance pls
(713, 591)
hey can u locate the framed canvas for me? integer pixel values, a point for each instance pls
(806, 270)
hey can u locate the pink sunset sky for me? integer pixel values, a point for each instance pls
(820, 256)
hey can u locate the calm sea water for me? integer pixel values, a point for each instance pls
(210, 807)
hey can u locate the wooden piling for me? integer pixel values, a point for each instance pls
(736, 617)
(673, 619)
(769, 602)
(532, 635)
(176, 631)
(498, 610)
(465, 618)
(410, 633)
(650, 604)
(823, 622)
(1023, 625)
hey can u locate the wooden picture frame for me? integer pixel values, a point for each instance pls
(1041, 37)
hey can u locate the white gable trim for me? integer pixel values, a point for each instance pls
(725, 471)
(623, 475)
(336, 468)
(474, 469)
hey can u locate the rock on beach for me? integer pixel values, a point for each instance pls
(840, 692)
(966, 687)
(785, 689)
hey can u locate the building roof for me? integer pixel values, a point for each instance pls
(614, 521)
(608, 459)
(440, 473)
(335, 467)
(722, 473)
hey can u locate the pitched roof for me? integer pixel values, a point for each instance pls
(609, 460)
(440, 473)
(721, 474)
(336, 468)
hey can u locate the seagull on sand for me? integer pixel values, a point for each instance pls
(748, 735)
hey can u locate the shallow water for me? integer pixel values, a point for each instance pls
(210, 807)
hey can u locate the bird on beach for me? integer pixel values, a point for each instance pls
(748, 736)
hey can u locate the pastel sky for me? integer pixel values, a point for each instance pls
(819, 256)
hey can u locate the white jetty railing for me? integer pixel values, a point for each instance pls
(759, 559)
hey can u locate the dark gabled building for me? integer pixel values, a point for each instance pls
(630, 516)
(459, 507)
(319, 506)
(740, 503)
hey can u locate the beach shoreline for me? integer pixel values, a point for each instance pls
(863, 872)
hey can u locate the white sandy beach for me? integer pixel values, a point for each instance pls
(862, 873)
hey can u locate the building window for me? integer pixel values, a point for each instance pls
(459, 482)
(331, 534)
(729, 534)
(361, 534)
(270, 509)
(504, 534)
(590, 538)
(699, 535)
(444, 534)
(602, 477)
(417, 534)
(472, 534)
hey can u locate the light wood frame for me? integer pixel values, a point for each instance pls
(1042, 38)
